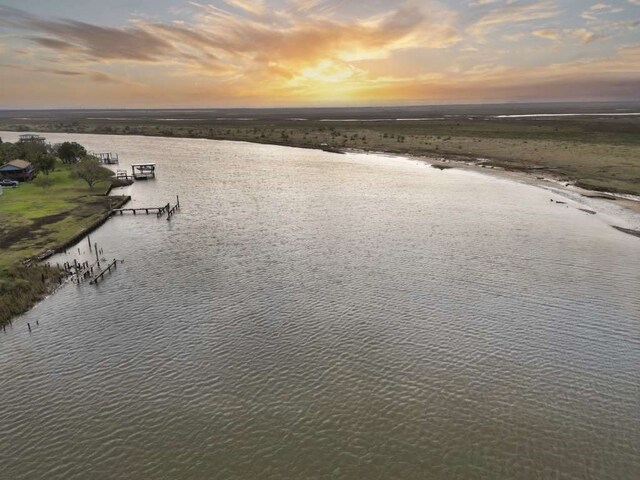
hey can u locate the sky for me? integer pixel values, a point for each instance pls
(276, 53)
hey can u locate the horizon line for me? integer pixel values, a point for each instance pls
(336, 107)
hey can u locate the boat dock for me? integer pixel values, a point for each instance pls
(113, 264)
(135, 211)
(143, 171)
(107, 158)
(82, 271)
(159, 211)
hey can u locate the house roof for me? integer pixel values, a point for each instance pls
(19, 164)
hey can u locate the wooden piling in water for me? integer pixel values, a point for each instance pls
(113, 264)
(160, 211)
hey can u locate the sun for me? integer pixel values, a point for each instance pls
(329, 71)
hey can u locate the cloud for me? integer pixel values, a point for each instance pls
(597, 9)
(305, 47)
(585, 37)
(254, 7)
(95, 42)
(479, 3)
(244, 52)
(55, 44)
(604, 78)
(94, 75)
(514, 13)
(582, 35)
(548, 34)
(246, 34)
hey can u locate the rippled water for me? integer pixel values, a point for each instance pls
(311, 315)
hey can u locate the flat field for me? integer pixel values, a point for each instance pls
(599, 148)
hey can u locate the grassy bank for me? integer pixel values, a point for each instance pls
(602, 154)
(34, 219)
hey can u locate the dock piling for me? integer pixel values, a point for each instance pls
(159, 211)
(99, 276)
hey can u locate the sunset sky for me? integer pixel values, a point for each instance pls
(225, 53)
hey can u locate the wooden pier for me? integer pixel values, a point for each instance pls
(159, 211)
(146, 210)
(107, 158)
(113, 264)
(122, 174)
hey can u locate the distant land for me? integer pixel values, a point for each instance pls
(595, 145)
(325, 113)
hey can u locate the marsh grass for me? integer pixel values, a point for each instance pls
(603, 153)
(34, 219)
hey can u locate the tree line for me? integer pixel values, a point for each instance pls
(44, 158)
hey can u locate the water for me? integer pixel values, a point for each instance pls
(311, 315)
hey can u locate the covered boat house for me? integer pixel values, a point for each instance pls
(20, 170)
(31, 138)
(143, 171)
(107, 158)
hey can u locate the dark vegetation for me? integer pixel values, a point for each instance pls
(42, 216)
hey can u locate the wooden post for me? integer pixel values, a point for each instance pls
(178, 201)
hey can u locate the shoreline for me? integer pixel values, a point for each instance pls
(541, 176)
(491, 167)
(123, 200)
(600, 154)
(52, 278)
(512, 164)
(533, 177)
(45, 279)
(552, 183)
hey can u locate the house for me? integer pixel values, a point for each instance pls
(20, 170)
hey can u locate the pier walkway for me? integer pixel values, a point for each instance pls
(159, 211)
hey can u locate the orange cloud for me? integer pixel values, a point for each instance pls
(305, 52)
(513, 13)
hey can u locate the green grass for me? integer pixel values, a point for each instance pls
(34, 219)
